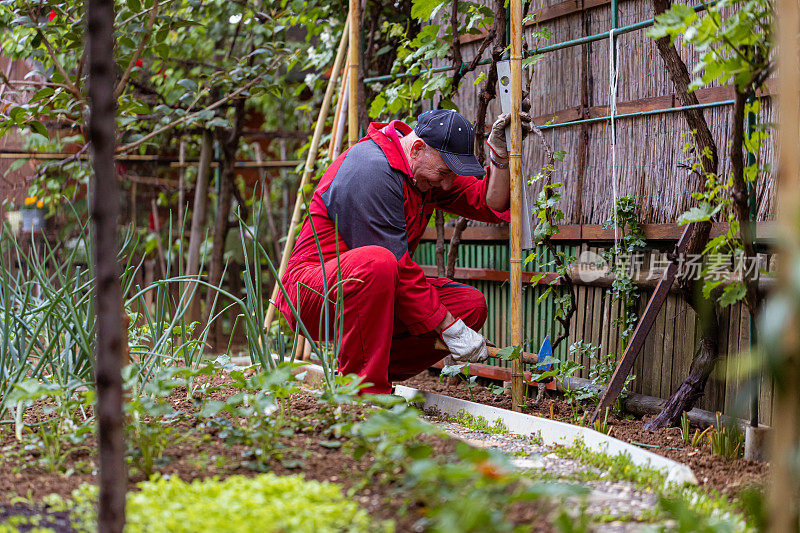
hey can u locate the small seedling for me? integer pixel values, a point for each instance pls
(697, 439)
(602, 427)
(685, 427)
(462, 372)
(725, 441)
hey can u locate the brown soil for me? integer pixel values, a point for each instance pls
(200, 454)
(727, 476)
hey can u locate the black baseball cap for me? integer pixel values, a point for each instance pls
(453, 137)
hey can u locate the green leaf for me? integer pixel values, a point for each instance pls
(733, 293)
(423, 9)
(377, 106)
(700, 213)
(189, 85)
(39, 128)
(509, 352)
(134, 5)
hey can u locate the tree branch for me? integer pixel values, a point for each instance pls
(181, 120)
(135, 57)
(67, 82)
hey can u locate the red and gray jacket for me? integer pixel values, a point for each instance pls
(368, 195)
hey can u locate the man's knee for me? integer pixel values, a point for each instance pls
(378, 266)
(475, 312)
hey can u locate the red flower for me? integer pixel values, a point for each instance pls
(51, 15)
(139, 63)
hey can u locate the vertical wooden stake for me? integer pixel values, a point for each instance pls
(113, 477)
(784, 515)
(355, 50)
(309, 168)
(181, 185)
(515, 230)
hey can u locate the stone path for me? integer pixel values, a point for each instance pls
(607, 498)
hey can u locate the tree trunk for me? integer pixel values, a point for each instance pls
(452, 250)
(197, 234)
(489, 92)
(111, 337)
(741, 196)
(440, 265)
(692, 388)
(229, 145)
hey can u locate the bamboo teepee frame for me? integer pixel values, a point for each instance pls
(309, 167)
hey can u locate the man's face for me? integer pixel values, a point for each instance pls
(429, 169)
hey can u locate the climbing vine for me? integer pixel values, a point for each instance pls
(622, 258)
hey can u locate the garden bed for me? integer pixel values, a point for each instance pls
(319, 445)
(728, 476)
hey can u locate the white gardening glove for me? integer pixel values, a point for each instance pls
(497, 137)
(465, 345)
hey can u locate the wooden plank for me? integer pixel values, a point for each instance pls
(545, 14)
(597, 317)
(658, 353)
(708, 95)
(669, 348)
(611, 392)
(731, 367)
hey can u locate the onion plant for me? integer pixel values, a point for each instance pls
(254, 309)
(47, 315)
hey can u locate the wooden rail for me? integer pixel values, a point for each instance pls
(556, 11)
(766, 232)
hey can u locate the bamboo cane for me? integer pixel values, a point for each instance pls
(309, 170)
(784, 514)
(338, 120)
(334, 147)
(355, 48)
(515, 230)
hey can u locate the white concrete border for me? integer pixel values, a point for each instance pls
(551, 431)
(554, 432)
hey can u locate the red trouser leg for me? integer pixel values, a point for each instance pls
(368, 310)
(411, 354)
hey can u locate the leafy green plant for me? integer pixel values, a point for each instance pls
(258, 414)
(150, 418)
(735, 42)
(66, 425)
(685, 428)
(630, 241)
(273, 504)
(462, 373)
(467, 489)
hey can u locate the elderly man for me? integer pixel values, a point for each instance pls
(379, 194)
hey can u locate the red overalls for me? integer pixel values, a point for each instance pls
(390, 307)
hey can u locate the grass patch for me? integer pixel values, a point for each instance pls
(690, 507)
(478, 423)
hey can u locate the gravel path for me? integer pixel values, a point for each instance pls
(607, 498)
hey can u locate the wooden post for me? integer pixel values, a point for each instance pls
(196, 234)
(113, 476)
(266, 198)
(355, 50)
(784, 514)
(515, 230)
(309, 169)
